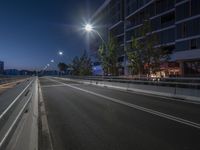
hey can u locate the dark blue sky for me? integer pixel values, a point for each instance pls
(32, 31)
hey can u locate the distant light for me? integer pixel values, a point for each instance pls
(52, 61)
(48, 65)
(88, 27)
(60, 53)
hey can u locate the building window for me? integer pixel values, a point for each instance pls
(168, 19)
(195, 5)
(182, 11)
(189, 28)
(178, 1)
(183, 30)
(193, 44)
(182, 46)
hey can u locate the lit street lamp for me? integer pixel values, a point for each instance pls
(60, 53)
(89, 28)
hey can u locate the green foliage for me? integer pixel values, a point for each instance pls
(134, 54)
(62, 67)
(142, 55)
(108, 54)
(113, 55)
(104, 58)
(82, 65)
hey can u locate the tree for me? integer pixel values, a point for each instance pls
(62, 67)
(76, 65)
(85, 65)
(82, 65)
(113, 55)
(143, 55)
(109, 54)
(135, 57)
(148, 45)
(161, 55)
(104, 58)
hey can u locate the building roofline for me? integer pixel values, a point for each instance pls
(106, 2)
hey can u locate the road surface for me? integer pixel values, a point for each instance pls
(85, 117)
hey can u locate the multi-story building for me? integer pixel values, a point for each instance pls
(175, 22)
(1, 67)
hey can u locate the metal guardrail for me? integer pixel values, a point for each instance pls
(4, 117)
(192, 83)
(6, 79)
(186, 94)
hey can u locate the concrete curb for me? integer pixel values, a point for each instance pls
(45, 142)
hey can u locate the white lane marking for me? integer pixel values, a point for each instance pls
(14, 123)
(6, 110)
(49, 86)
(157, 113)
(44, 120)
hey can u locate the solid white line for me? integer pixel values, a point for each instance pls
(16, 119)
(157, 113)
(48, 86)
(6, 110)
(44, 120)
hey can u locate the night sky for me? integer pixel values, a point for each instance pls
(32, 31)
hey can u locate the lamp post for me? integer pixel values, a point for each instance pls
(89, 28)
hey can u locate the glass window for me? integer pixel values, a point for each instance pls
(168, 19)
(168, 36)
(155, 24)
(182, 11)
(195, 7)
(193, 44)
(182, 46)
(189, 28)
(177, 1)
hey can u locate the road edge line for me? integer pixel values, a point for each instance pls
(44, 124)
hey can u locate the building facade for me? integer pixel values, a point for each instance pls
(175, 22)
(1, 67)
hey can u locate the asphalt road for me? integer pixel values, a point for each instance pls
(85, 117)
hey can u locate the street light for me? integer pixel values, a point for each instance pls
(89, 28)
(52, 61)
(60, 53)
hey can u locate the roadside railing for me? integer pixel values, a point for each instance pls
(182, 88)
(170, 82)
(8, 79)
(10, 117)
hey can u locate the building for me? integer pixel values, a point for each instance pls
(12, 72)
(176, 22)
(1, 67)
